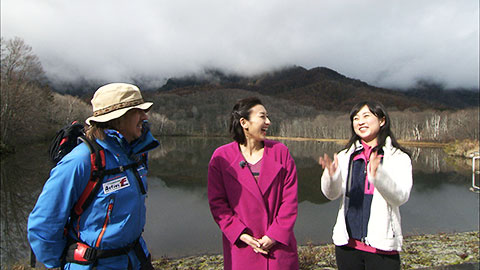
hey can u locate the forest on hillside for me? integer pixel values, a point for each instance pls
(201, 114)
(32, 111)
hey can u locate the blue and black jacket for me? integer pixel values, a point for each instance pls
(359, 193)
(114, 219)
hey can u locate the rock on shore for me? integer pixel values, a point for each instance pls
(419, 252)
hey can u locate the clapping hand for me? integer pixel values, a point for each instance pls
(326, 162)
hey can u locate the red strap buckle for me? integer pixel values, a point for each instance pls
(83, 253)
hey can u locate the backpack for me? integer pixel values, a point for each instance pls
(63, 143)
(65, 140)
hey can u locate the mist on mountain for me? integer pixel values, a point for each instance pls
(321, 88)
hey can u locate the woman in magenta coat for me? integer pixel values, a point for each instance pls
(252, 192)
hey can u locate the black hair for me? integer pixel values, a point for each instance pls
(241, 110)
(380, 112)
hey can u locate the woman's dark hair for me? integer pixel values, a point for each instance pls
(379, 111)
(241, 110)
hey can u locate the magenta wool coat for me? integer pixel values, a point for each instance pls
(238, 204)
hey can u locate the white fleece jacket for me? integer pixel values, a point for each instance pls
(392, 183)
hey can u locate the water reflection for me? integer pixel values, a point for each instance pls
(22, 177)
(183, 162)
(179, 222)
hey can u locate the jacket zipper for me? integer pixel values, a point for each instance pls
(364, 236)
(105, 223)
(78, 227)
(392, 226)
(365, 172)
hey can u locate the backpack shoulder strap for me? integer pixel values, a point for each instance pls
(98, 162)
(98, 171)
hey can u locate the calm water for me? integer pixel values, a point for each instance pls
(179, 222)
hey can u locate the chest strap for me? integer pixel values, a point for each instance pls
(132, 166)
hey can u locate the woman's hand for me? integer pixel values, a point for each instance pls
(375, 160)
(326, 162)
(254, 243)
(267, 243)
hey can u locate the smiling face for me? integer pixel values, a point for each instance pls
(130, 124)
(366, 125)
(256, 127)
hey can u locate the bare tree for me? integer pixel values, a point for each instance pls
(24, 96)
(160, 123)
(67, 109)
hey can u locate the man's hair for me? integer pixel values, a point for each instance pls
(96, 130)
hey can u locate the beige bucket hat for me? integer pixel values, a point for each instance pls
(113, 100)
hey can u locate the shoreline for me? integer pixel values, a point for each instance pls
(425, 251)
(339, 141)
(343, 141)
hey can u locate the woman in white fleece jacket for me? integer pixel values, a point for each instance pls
(373, 176)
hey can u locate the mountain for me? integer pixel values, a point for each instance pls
(303, 103)
(325, 89)
(434, 92)
(321, 88)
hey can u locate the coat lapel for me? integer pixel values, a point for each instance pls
(243, 175)
(269, 171)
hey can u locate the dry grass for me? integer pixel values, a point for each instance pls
(464, 148)
(432, 251)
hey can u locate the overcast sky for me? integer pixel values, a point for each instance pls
(389, 43)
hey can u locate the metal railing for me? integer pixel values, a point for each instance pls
(475, 171)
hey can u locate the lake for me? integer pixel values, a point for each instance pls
(179, 222)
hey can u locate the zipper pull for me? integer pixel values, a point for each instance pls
(110, 205)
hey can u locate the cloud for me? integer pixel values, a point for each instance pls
(385, 43)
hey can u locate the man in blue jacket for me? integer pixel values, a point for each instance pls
(107, 235)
